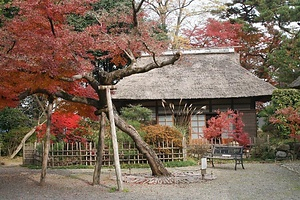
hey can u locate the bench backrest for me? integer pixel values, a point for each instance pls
(221, 150)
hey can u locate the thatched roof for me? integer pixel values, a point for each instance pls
(296, 83)
(207, 74)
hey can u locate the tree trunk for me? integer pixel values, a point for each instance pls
(24, 140)
(100, 148)
(156, 165)
(46, 143)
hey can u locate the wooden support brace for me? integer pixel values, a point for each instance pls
(103, 87)
(114, 140)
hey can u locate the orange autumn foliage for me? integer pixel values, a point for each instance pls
(158, 134)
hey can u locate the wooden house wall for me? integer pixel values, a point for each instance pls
(244, 105)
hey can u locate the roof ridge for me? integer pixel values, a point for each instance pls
(214, 50)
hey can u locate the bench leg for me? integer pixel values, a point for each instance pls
(242, 164)
(239, 162)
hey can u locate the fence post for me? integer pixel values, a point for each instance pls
(90, 153)
(172, 150)
(80, 157)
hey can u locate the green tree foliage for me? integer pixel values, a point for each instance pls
(286, 60)
(281, 99)
(13, 126)
(6, 11)
(271, 38)
(137, 116)
(109, 5)
(104, 6)
(11, 118)
(137, 113)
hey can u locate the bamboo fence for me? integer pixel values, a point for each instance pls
(66, 154)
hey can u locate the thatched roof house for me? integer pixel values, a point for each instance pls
(210, 77)
(206, 74)
(296, 83)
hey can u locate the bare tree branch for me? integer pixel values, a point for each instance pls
(77, 99)
(91, 80)
(118, 74)
(136, 9)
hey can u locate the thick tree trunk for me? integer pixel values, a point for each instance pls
(156, 165)
(46, 143)
(100, 148)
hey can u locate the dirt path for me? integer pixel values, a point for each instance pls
(274, 181)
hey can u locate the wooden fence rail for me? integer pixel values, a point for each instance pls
(65, 154)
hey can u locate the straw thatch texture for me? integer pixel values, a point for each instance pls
(194, 76)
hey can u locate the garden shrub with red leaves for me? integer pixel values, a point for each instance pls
(222, 123)
(64, 127)
(290, 118)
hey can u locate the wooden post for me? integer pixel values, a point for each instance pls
(52, 155)
(90, 153)
(100, 151)
(24, 153)
(172, 150)
(114, 139)
(80, 156)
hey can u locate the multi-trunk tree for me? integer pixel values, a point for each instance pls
(41, 52)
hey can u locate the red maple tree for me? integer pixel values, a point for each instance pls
(229, 122)
(41, 52)
(64, 128)
(215, 34)
(39, 49)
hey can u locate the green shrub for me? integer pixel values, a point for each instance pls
(136, 113)
(281, 98)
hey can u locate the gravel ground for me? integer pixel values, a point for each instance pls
(274, 181)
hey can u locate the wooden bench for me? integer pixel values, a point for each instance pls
(227, 153)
